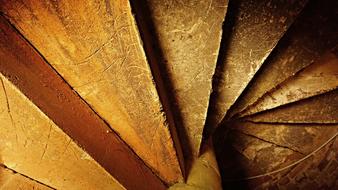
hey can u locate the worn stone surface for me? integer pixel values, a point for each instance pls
(318, 78)
(318, 109)
(259, 151)
(299, 138)
(95, 47)
(33, 145)
(318, 171)
(255, 29)
(313, 33)
(10, 180)
(189, 34)
(36, 79)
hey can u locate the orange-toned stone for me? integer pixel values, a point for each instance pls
(10, 180)
(33, 145)
(95, 47)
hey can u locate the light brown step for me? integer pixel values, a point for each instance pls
(312, 34)
(95, 47)
(318, 78)
(30, 73)
(318, 109)
(189, 35)
(33, 145)
(254, 30)
(10, 180)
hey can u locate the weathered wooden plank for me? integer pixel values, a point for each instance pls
(318, 109)
(29, 72)
(10, 180)
(254, 30)
(318, 78)
(189, 35)
(33, 145)
(250, 149)
(313, 33)
(95, 47)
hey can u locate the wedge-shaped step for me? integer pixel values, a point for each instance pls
(316, 170)
(95, 47)
(318, 109)
(313, 33)
(254, 30)
(319, 77)
(252, 150)
(33, 145)
(29, 72)
(10, 180)
(189, 33)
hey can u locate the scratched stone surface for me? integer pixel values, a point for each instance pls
(317, 170)
(33, 145)
(255, 29)
(189, 33)
(10, 180)
(96, 48)
(318, 109)
(317, 78)
(313, 33)
(254, 150)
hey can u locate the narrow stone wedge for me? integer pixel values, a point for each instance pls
(33, 145)
(95, 47)
(313, 33)
(318, 109)
(189, 34)
(318, 78)
(254, 30)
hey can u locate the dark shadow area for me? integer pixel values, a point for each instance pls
(154, 53)
(230, 161)
(227, 35)
(232, 164)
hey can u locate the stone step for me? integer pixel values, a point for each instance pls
(189, 36)
(312, 34)
(318, 78)
(253, 30)
(11, 180)
(95, 46)
(29, 72)
(247, 150)
(33, 145)
(318, 109)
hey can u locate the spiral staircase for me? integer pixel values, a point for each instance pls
(178, 94)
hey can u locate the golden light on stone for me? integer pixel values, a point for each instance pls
(168, 94)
